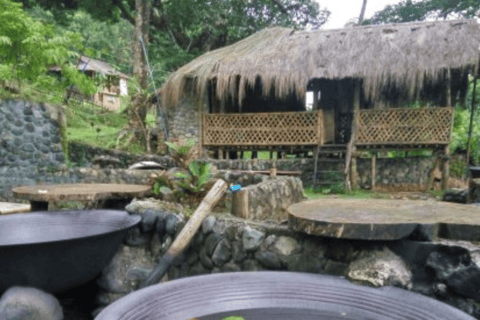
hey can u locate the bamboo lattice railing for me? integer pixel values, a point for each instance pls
(263, 129)
(404, 126)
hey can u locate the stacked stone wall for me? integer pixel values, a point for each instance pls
(436, 269)
(30, 142)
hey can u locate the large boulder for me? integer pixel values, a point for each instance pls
(381, 268)
(23, 303)
(252, 238)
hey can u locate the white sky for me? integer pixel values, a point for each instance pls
(344, 10)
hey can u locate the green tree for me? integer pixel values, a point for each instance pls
(29, 47)
(408, 10)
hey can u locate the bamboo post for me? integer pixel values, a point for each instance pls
(240, 204)
(373, 168)
(315, 164)
(449, 88)
(187, 233)
(200, 134)
(431, 176)
(445, 168)
(472, 113)
(351, 176)
(315, 99)
(273, 172)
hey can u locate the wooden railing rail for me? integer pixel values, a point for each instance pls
(263, 129)
(404, 126)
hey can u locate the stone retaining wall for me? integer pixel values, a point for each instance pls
(400, 172)
(445, 270)
(30, 141)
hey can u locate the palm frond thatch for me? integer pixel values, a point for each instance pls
(403, 54)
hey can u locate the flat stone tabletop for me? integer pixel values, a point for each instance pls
(372, 219)
(39, 195)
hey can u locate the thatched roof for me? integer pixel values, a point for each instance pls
(403, 54)
(90, 64)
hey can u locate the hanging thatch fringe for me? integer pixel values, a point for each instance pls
(402, 55)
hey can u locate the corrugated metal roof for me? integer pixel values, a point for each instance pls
(90, 64)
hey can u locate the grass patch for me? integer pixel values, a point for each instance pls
(325, 192)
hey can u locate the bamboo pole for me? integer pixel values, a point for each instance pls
(351, 177)
(445, 168)
(373, 168)
(449, 87)
(187, 233)
(472, 113)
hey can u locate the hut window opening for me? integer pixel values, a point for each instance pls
(310, 98)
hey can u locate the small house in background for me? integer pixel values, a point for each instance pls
(115, 87)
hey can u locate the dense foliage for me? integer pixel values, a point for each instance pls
(179, 30)
(408, 10)
(29, 47)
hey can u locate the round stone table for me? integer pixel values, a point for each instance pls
(111, 195)
(372, 219)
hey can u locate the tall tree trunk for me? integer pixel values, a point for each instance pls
(138, 111)
(362, 12)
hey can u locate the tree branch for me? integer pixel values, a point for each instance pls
(125, 13)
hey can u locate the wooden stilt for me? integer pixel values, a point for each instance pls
(431, 175)
(351, 144)
(445, 169)
(449, 88)
(315, 163)
(241, 155)
(373, 169)
(220, 154)
(227, 153)
(353, 171)
(271, 154)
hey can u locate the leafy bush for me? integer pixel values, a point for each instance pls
(29, 47)
(195, 176)
(460, 133)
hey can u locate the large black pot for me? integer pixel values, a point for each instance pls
(475, 172)
(57, 251)
(267, 295)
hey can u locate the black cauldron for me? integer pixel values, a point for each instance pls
(57, 251)
(267, 295)
(475, 172)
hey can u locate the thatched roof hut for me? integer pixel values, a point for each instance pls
(408, 56)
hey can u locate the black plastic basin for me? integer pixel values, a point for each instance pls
(475, 172)
(267, 295)
(57, 251)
